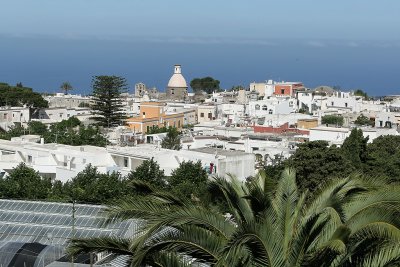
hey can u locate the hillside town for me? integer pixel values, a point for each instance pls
(234, 131)
(185, 157)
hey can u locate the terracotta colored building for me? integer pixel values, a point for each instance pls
(284, 128)
(287, 88)
(152, 114)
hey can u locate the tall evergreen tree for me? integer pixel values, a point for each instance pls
(172, 140)
(354, 148)
(107, 102)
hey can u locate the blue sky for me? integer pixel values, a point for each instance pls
(255, 19)
(260, 33)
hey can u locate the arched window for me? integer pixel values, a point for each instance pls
(257, 107)
(264, 107)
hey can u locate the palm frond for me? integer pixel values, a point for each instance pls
(120, 246)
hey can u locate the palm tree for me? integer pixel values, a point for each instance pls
(350, 222)
(66, 86)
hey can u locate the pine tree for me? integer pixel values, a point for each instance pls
(172, 140)
(107, 102)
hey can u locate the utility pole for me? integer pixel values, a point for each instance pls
(73, 228)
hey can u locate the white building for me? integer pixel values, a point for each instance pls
(67, 101)
(59, 114)
(336, 136)
(206, 112)
(63, 162)
(9, 116)
(231, 113)
(387, 119)
(270, 106)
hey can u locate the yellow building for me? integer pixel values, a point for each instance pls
(152, 114)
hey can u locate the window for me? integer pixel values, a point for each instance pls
(148, 128)
(125, 162)
(270, 111)
(5, 116)
(210, 115)
(202, 115)
(179, 124)
(264, 107)
(332, 103)
(345, 104)
(257, 107)
(144, 113)
(29, 159)
(282, 91)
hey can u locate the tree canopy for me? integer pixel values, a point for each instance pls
(354, 148)
(360, 92)
(18, 96)
(316, 163)
(189, 180)
(107, 102)
(67, 132)
(149, 171)
(333, 120)
(206, 84)
(25, 183)
(172, 140)
(91, 186)
(363, 121)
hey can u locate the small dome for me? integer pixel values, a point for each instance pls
(177, 80)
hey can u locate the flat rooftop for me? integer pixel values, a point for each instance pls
(227, 153)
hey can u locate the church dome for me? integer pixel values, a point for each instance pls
(177, 80)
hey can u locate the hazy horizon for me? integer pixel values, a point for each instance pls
(351, 44)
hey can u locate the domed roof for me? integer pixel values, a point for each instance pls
(177, 80)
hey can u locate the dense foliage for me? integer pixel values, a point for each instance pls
(332, 120)
(363, 121)
(349, 222)
(67, 132)
(25, 183)
(360, 92)
(18, 96)
(317, 163)
(149, 171)
(206, 84)
(172, 140)
(107, 102)
(189, 180)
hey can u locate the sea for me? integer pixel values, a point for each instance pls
(44, 62)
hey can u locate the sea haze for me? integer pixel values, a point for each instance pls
(44, 62)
